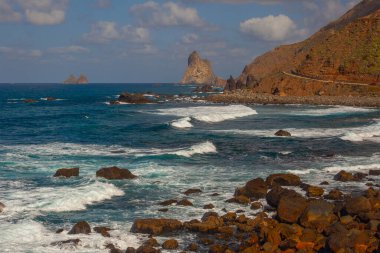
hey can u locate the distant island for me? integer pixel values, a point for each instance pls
(72, 79)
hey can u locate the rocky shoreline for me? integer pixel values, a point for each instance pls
(290, 216)
(247, 97)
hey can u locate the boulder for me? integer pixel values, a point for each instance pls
(282, 133)
(374, 172)
(256, 205)
(156, 226)
(115, 173)
(192, 191)
(81, 227)
(168, 202)
(255, 188)
(344, 176)
(147, 249)
(290, 208)
(357, 205)
(170, 244)
(2, 207)
(318, 215)
(130, 250)
(273, 197)
(132, 98)
(217, 248)
(314, 191)
(192, 247)
(241, 199)
(283, 180)
(209, 206)
(112, 248)
(103, 231)
(152, 242)
(72, 242)
(184, 202)
(74, 172)
(204, 88)
(334, 194)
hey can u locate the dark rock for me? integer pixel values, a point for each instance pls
(282, 133)
(215, 194)
(192, 247)
(334, 194)
(184, 202)
(156, 226)
(290, 208)
(207, 215)
(359, 176)
(50, 99)
(147, 249)
(80, 228)
(192, 191)
(344, 176)
(152, 242)
(73, 242)
(131, 98)
(374, 172)
(209, 206)
(256, 205)
(164, 210)
(241, 199)
(112, 248)
(283, 180)
(74, 172)
(217, 249)
(314, 191)
(59, 231)
(273, 197)
(231, 84)
(357, 205)
(114, 173)
(204, 88)
(324, 183)
(319, 214)
(168, 202)
(130, 250)
(170, 244)
(256, 188)
(103, 231)
(251, 82)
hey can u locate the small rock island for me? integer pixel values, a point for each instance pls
(72, 79)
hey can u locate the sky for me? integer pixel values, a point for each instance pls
(124, 41)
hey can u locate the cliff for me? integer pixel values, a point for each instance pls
(73, 80)
(344, 53)
(199, 71)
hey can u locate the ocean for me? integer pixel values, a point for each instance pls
(171, 146)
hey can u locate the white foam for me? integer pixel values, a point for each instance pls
(359, 168)
(209, 114)
(182, 123)
(203, 148)
(59, 199)
(324, 111)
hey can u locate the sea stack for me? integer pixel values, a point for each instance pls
(199, 71)
(72, 79)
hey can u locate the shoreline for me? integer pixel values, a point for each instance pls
(244, 97)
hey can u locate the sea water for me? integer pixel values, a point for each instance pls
(171, 146)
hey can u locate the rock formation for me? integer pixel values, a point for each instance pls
(330, 62)
(72, 79)
(199, 71)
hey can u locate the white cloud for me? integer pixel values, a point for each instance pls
(103, 4)
(44, 12)
(189, 38)
(167, 14)
(271, 28)
(69, 49)
(7, 13)
(136, 34)
(20, 53)
(102, 32)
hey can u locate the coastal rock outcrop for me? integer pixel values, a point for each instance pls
(156, 226)
(282, 133)
(72, 79)
(73, 172)
(199, 71)
(81, 227)
(133, 98)
(115, 173)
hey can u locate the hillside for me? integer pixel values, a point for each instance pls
(345, 51)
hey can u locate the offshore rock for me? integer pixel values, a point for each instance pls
(80, 228)
(132, 98)
(115, 173)
(74, 172)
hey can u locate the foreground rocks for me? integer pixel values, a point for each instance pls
(74, 172)
(80, 228)
(156, 226)
(115, 173)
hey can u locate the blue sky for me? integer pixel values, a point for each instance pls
(147, 41)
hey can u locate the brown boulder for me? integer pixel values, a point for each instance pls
(74, 172)
(217, 248)
(72, 242)
(241, 199)
(334, 194)
(256, 205)
(290, 208)
(344, 176)
(273, 197)
(114, 173)
(131, 98)
(319, 214)
(283, 180)
(256, 188)
(168, 202)
(192, 191)
(130, 250)
(192, 247)
(103, 231)
(170, 244)
(147, 249)
(155, 226)
(80, 228)
(184, 202)
(209, 206)
(282, 133)
(374, 172)
(152, 242)
(357, 205)
(112, 248)
(314, 191)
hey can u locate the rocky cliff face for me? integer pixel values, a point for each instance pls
(345, 51)
(73, 80)
(199, 71)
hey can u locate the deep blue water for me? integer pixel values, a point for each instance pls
(223, 147)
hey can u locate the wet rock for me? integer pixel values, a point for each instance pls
(209, 206)
(132, 98)
(256, 205)
(319, 214)
(59, 231)
(184, 202)
(30, 101)
(241, 199)
(72, 242)
(192, 191)
(344, 176)
(192, 247)
(290, 208)
(255, 188)
(324, 183)
(273, 197)
(112, 248)
(359, 176)
(152, 242)
(81, 227)
(147, 249)
(217, 249)
(283, 180)
(374, 172)
(357, 205)
(230, 216)
(2, 207)
(51, 99)
(282, 133)
(314, 191)
(215, 194)
(170, 244)
(74, 172)
(156, 226)
(168, 202)
(334, 195)
(164, 210)
(204, 88)
(103, 231)
(130, 250)
(115, 173)
(347, 219)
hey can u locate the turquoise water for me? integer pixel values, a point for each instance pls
(171, 146)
